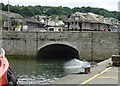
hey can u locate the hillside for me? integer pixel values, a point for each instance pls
(28, 11)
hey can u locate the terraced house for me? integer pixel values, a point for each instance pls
(16, 22)
(90, 22)
(11, 20)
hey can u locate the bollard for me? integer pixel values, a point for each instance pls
(87, 70)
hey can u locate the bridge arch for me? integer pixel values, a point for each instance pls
(58, 50)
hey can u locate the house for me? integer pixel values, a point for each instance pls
(55, 23)
(16, 22)
(33, 24)
(42, 19)
(113, 22)
(11, 20)
(87, 21)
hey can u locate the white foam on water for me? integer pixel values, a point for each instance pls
(76, 66)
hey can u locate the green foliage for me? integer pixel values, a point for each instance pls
(28, 11)
(14, 22)
(1, 23)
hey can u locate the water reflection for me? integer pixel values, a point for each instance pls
(32, 71)
(43, 71)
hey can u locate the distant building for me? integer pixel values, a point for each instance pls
(85, 21)
(43, 19)
(90, 22)
(119, 6)
(15, 20)
(55, 23)
(33, 24)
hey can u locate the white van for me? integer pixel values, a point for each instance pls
(57, 29)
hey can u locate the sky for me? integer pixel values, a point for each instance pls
(111, 5)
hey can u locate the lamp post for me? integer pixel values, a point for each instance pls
(55, 23)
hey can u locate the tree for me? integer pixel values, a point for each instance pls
(28, 11)
(52, 11)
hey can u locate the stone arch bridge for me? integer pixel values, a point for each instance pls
(85, 45)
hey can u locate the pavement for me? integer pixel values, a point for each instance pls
(101, 74)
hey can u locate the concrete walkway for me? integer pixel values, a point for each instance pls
(100, 74)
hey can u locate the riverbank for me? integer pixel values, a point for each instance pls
(21, 57)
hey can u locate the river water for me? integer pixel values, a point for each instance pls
(37, 71)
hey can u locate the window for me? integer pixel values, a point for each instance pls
(51, 29)
(75, 22)
(75, 29)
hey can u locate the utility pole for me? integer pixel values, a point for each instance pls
(8, 16)
(118, 41)
(1, 27)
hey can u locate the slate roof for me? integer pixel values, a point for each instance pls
(32, 20)
(6, 14)
(88, 17)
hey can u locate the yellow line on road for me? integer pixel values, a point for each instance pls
(107, 77)
(95, 76)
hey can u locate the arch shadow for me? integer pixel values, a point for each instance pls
(57, 51)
